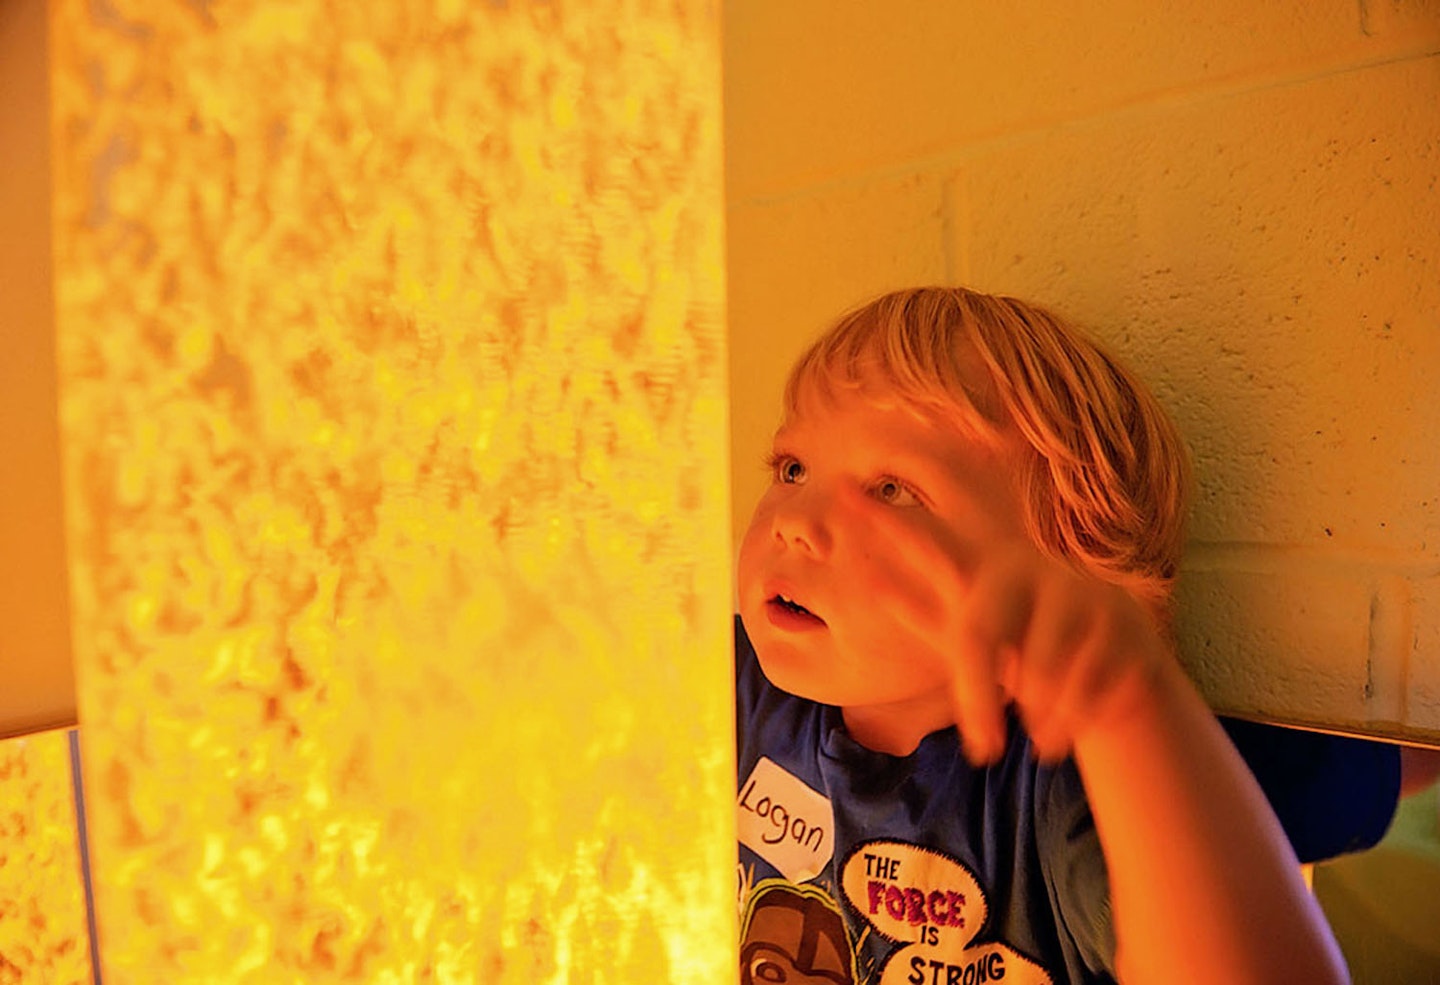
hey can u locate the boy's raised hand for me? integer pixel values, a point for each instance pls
(1013, 625)
(1074, 652)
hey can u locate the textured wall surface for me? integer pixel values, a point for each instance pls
(43, 935)
(1239, 198)
(393, 409)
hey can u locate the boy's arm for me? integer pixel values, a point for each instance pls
(1204, 885)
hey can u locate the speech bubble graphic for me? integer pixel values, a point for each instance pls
(919, 964)
(933, 905)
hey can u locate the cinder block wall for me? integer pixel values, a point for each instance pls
(1242, 199)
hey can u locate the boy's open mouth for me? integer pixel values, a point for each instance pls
(792, 605)
(787, 612)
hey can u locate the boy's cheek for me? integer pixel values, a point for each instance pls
(887, 543)
(750, 543)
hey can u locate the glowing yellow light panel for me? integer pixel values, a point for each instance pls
(43, 935)
(392, 371)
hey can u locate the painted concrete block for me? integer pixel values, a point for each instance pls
(1271, 263)
(1423, 670)
(795, 264)
(1401, 24)
(1290, 646)
(816, 90)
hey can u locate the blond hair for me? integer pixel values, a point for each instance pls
(1105, 479)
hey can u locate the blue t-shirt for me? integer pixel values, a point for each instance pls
(860, 867)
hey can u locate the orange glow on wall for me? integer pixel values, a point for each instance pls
(37, 682)
(43, 936)
(392, 409)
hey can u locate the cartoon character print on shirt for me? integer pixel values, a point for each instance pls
(794, 935)
(932, 907)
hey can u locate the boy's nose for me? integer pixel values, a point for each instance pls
(801, 524)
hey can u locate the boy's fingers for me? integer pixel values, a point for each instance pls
(1009, 675)
(1103, 668)
(994, 622)
(1059, 624)
(1058, 628)
(1085, 700)
(1052, 725)
(979, 707)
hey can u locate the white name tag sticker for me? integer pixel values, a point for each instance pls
(785, 822)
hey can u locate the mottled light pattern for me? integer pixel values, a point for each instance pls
(43, 935)
(392, 370)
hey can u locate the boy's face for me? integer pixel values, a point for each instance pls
(815, 572)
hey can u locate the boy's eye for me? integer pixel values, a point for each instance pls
(893, 491)
(787, 469)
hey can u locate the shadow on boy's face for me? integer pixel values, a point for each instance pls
(796, 940)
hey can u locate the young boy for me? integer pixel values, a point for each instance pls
(967, 751)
